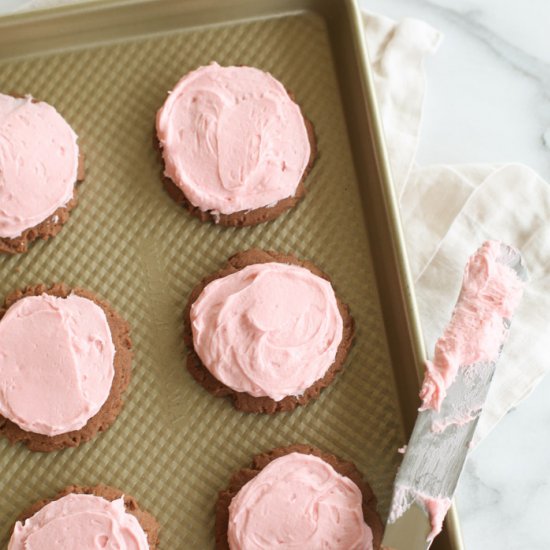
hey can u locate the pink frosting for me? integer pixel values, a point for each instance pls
(490, 292)
(56, 363)
(38, 163)
(232, 139)
(437, 509)
(86, 522)
(268, 330)
(297, 502)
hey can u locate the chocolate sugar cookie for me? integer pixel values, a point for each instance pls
(298, 497)
(266, 330)
(65, 363)
(86, 517)
(40, 164)
(236, 147)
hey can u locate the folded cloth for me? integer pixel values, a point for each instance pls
(449, 211)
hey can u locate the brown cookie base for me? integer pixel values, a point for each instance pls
(244, 401)
(148, 523)
(51, 226)
(245, 218)
(259, 462)
(120, 333)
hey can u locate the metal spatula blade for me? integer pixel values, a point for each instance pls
(438, 447)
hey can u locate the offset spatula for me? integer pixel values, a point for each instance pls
(439, 445)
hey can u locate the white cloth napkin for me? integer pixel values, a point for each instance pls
(448, 211)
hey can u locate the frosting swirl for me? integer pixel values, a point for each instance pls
(87, 522)
(270, 329)
(56, 363)
(298, 502)
(38, 163)
(232, 139)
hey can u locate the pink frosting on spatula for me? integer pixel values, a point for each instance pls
(490, 292)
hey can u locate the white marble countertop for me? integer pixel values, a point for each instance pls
(488, 101)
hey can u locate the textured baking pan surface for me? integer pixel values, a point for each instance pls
(174, 446)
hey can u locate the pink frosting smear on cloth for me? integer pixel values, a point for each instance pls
(298, 502)
(56, 363)
(490, 292)
(86, 522)
(232, 139)
(269, 329)
(38, 163)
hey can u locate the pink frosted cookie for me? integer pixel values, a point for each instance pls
(39, 166)
(87, 518)
(65, 360)
(268, 330)
(236, 147)
(298, 497)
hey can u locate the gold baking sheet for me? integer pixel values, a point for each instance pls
(107, 70)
